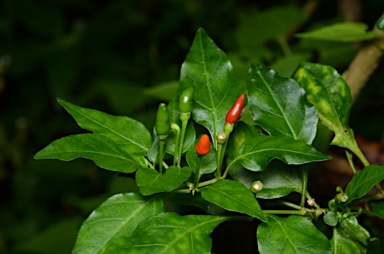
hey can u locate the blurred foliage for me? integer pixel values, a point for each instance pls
(123, 57)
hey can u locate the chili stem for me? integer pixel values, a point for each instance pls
(161, 154)
(196, 182)
(304, 174)
(184, 123)
(176, 128)
(219, 160)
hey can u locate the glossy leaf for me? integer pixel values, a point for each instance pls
(294, 234)
(129, 134)
(349, 228)
(331, 95)
(363, 181)
(342, 245)
(278, 180)
(170, 233)
(255, 154)
(98, 148)
(116, 217)
(216, 88)
(241, 133)
(233, 196)
(207, 164)
(151, 181)
(279, 106)
(341, 32)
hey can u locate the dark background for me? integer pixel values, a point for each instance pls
(123, 57)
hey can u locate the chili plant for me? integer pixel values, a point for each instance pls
(226, 163)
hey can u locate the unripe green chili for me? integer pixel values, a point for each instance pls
(162, 124)
(185, 100)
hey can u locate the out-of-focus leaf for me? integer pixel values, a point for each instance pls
(164, 91)
(129, 134)
(170, 233)
(343, 32)
(378, 208)
(287, 65)
(279, 106)
(255, 154)
(233, 196)
(151, 181)
(344, 245)
(116, 217)
(57, 238)
(294, 234)
(363, 181)
(257, 27)
(98, 148)
(216, 88)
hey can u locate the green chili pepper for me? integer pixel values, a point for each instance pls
(162, 124)
(185, 100)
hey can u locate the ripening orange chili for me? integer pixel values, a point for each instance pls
(235, 111)
(204, 145)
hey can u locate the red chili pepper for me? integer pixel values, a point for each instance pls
(204, 145)
(235, 111)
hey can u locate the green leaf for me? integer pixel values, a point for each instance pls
(378, 208)
(294, 234)
(330, 94)
(241, 133)
(164, 91)
(271, 24)
(170, 233)
(279, 106)
(255, 154)
(208, 162)
(98, 148)
(151, 181)
(233, 196)
(116, 217)
(342, 245)
(278, 180)
(129, 134)
(363, 181)
(349, 228)
(216, 88)
(341, 32)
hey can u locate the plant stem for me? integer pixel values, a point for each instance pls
(285, 203)
(291, 212)
(219, 160)
(284, 46)
(196, 181)
(304, 174)
(161, 154)
(184, 122)
(176, 128)
(202, 184)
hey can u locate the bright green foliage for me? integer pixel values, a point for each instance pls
(98, 148)
(116, 217)
(278, 105)
(233, 196)
(272, 145)
(256, 153)
(129, 134)
(170, 233)
(363, 181)
(151, 181)
(293, 234)
(208, 69)
(342, 32)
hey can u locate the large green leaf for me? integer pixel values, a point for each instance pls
(216, 88)
(255, 154)
(342, 32)
(151, 181)
(278, 180)
(233, 196)
(330, 94)
(342, 245)
(363, 181)
(349, 228)
(294, 234)
(98, 148)
(116, 217)
(129, 134)
(170, 233)
(279, 106)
